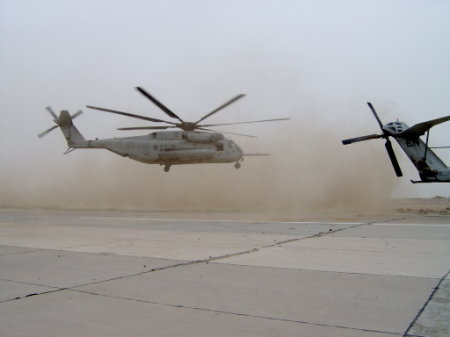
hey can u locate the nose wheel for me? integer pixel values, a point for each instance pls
(166, 168)
(237, 165)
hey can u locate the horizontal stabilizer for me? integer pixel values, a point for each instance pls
(418, 130)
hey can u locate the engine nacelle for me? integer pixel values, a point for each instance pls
(202, 138)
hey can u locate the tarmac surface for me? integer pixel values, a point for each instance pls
(111, 273)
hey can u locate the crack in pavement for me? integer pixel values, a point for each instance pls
(25, 251)
(234, 313)
(33, 294)
(419, 313)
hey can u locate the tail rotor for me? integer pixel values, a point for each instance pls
(56, 120)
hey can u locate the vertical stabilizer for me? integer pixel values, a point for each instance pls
(73, 137)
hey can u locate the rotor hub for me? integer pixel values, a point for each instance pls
(394, 128)
(187, 126)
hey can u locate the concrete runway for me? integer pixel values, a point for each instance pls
(111, 273)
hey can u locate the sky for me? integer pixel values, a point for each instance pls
(317, 62)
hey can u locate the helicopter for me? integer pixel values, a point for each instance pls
(430, 167)
(194, 143)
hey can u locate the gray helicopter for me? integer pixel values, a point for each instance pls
(194, 144)
(430, 167)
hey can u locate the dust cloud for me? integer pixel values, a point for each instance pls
(309, 171)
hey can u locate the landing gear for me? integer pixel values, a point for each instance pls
(166, 168)
(237, 165)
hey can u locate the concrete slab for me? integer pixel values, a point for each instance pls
(182, 245)
(45, 237)
(8, 250)
(229, 226)
(225, 222)
(74, 314)
(67, 269)
(186, 245)
(360, 302)
(418, 258)
(423, 219)
(400, 230)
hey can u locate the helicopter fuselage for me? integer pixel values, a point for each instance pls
(172, 147)
(429, 166)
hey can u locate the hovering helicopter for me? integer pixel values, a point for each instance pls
(194, 144)
(430, 167)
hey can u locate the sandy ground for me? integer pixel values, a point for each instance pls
(137, 273)
(436, 205)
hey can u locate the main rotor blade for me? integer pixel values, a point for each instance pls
(50, 110)
(375, 114)
(360, 139)
(393, 158)
(231, 133)
(158, 104)
(264, 120)
(146, 128)
(234, 99)
(42, 134)
(130, 115)
(256, 154)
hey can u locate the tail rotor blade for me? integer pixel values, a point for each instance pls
(76, 114)
(50, 110)
(393, 158)
(360, 139)
(42, 134)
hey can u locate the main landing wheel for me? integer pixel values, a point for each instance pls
(237, 165)
(167, 168)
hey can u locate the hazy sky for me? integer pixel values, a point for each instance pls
(317, 62)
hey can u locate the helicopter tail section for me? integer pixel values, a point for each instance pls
(430, 167)
(73, 137)
(65, 122)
